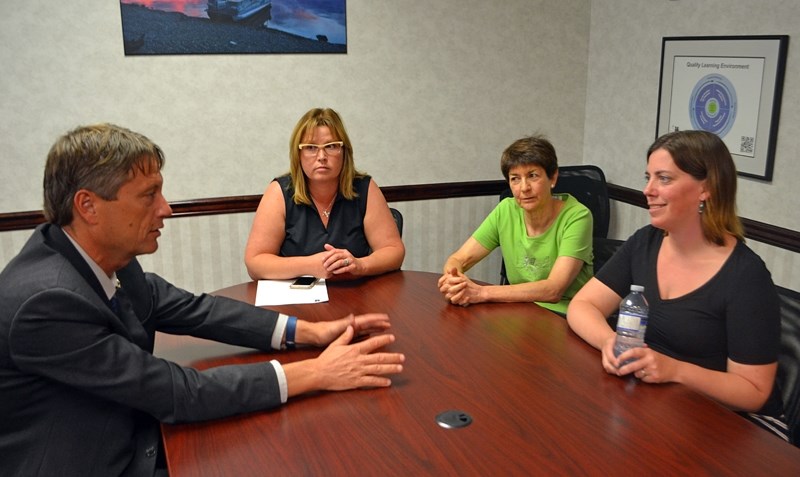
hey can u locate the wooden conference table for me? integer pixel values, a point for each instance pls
(539, 401)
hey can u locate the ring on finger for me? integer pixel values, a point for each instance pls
(346, 262)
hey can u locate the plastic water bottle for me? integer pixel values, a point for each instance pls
(632, 321)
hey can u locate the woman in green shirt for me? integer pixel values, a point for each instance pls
(546, 239)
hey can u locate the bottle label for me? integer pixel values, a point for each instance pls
(629, 322)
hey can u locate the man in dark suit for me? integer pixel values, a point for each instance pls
(80, 390)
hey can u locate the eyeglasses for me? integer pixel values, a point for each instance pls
(332, 148)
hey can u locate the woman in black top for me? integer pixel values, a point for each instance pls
(714, 322)
(324, 218)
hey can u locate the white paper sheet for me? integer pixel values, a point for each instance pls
(277, 292)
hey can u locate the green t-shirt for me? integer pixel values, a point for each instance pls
(529, 259)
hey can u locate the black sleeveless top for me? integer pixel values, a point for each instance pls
(305, 232)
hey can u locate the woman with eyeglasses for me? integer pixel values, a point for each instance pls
(324, 218)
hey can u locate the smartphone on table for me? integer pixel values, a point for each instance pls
(304, 282)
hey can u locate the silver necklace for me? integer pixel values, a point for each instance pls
(326, 212)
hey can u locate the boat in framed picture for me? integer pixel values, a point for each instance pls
(236, 10)
(186, 27)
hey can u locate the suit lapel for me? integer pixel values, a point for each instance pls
(58, 241)
(128, 317)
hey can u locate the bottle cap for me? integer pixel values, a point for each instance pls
(637, 288)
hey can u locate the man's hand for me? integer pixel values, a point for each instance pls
(324, 332)
(343, 366)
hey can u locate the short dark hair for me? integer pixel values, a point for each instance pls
(535, 149)
(99, 158)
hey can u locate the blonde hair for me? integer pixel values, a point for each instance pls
(304, 128)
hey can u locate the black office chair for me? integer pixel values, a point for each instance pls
(587, 183)
(788, 377)
(398, 219)
(603, 249)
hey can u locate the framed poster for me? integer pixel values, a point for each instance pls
(186, 27)
(728, 85)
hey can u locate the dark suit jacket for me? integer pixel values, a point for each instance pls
(80, 390)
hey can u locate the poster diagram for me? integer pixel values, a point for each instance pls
(727, 85)
(719, 95)
(712, 105)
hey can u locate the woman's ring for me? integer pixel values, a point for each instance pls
(346, 262)
(644, 373)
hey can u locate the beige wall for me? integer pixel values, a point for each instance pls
(622, 93)
(430, 92)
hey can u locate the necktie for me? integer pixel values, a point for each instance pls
(121, 305)
(114, 303)
(114, 300)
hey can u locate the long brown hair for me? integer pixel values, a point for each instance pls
(704, 156)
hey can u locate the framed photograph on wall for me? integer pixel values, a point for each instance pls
(189, 27)
(728, 85)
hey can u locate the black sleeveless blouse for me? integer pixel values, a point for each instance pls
(305, 232)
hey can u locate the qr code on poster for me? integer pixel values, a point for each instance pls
(746, 146)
